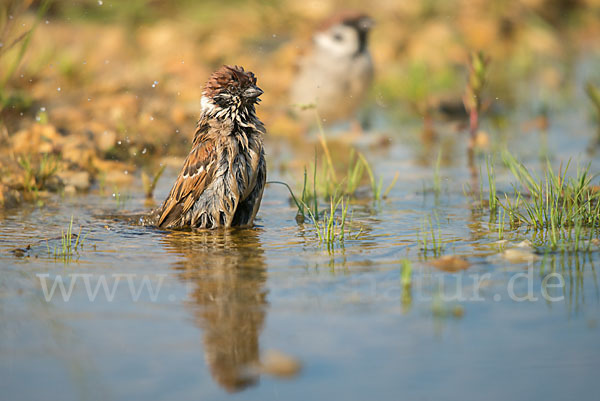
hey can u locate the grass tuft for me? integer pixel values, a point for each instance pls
(430, 242)
(70, 244)
(562, 211)
(332, 230)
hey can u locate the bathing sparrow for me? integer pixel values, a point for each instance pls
(222, 180)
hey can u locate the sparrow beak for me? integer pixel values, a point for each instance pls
(366, 23)
(253, 92)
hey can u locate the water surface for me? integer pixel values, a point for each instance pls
(220, 301)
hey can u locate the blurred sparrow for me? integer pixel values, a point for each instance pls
(336, 74)
(222, 180)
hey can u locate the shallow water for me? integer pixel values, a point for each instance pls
(217, 302)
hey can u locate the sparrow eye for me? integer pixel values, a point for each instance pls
(337, 37)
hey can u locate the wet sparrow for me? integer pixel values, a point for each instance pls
(222, 180)
(337, 73)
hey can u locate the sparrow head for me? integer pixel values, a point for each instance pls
(230, 89)
(344, 34)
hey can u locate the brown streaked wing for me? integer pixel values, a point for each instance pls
(194, 177)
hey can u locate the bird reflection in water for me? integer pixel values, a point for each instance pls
(226, 272)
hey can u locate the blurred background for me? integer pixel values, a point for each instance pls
(122, 80)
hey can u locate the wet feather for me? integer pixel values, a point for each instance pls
(222, 179)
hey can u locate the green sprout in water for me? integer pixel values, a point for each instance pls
(406, 274)
(437, 178)
(67, 248)
(304, 204)
(377, 185)
(120, 199)
(331, 229)
(406, 281)
(356, 170)
(501, 225)
(493, 197)
(428, 233)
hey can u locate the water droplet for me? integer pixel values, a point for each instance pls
(274, 35)
(100, 2)
(151, 118)
(47, 22)
(118, 142)
(114, 195)
(89, 99)
(58, 89)
(144, 151)
(125, 172)
(37, 118)
(42, 109)
(177, 131)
